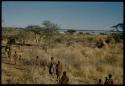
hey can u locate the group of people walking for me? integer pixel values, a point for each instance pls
(108, 80)
(55, 68)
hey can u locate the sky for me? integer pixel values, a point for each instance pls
(68, 15)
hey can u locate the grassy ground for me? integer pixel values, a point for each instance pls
(84, 63)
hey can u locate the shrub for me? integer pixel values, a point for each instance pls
(71, 31)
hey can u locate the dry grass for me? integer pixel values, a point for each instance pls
(84, 64)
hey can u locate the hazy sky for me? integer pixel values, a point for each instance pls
(75, 15)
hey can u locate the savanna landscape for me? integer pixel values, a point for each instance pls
(50, 42)
(82, 56)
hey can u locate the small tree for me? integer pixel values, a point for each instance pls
(50, 29)
(33, 26)
(23, 36)
(37, 30)
(119, 35)
(102, 33)
(87, 33)
(81, 33)
(118, 26)
(71, 31)
(11, 40)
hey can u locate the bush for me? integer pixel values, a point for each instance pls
(99, 44)
(11, 40)
(80, 33)
(117, 37)
(71, 31)
(59, 38)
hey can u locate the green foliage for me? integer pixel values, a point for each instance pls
(119, 25)
(50, 29)
(118, 36)
(33, 26)
(35, 29)
(49, 25)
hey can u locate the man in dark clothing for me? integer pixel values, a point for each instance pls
(106, 81)
(36, 61)
(110, 81)
(100, 81)
(64, 79)
(52, 66)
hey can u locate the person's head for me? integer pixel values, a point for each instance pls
(58, 62)
(110, 76)
(100, 80)
(37, 57)
(52, 58)
(64, 72)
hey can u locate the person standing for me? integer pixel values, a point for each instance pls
(52, 67)
(110, 80)
(64, 79)
(58, 70)
(15, 57)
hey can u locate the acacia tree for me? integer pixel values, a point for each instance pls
(118, 26)
(23, 36)
(119, 35)
(50, 29)
(37, 30)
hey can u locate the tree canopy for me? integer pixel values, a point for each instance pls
(118, 26)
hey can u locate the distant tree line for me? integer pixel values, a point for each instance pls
(49, 29)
